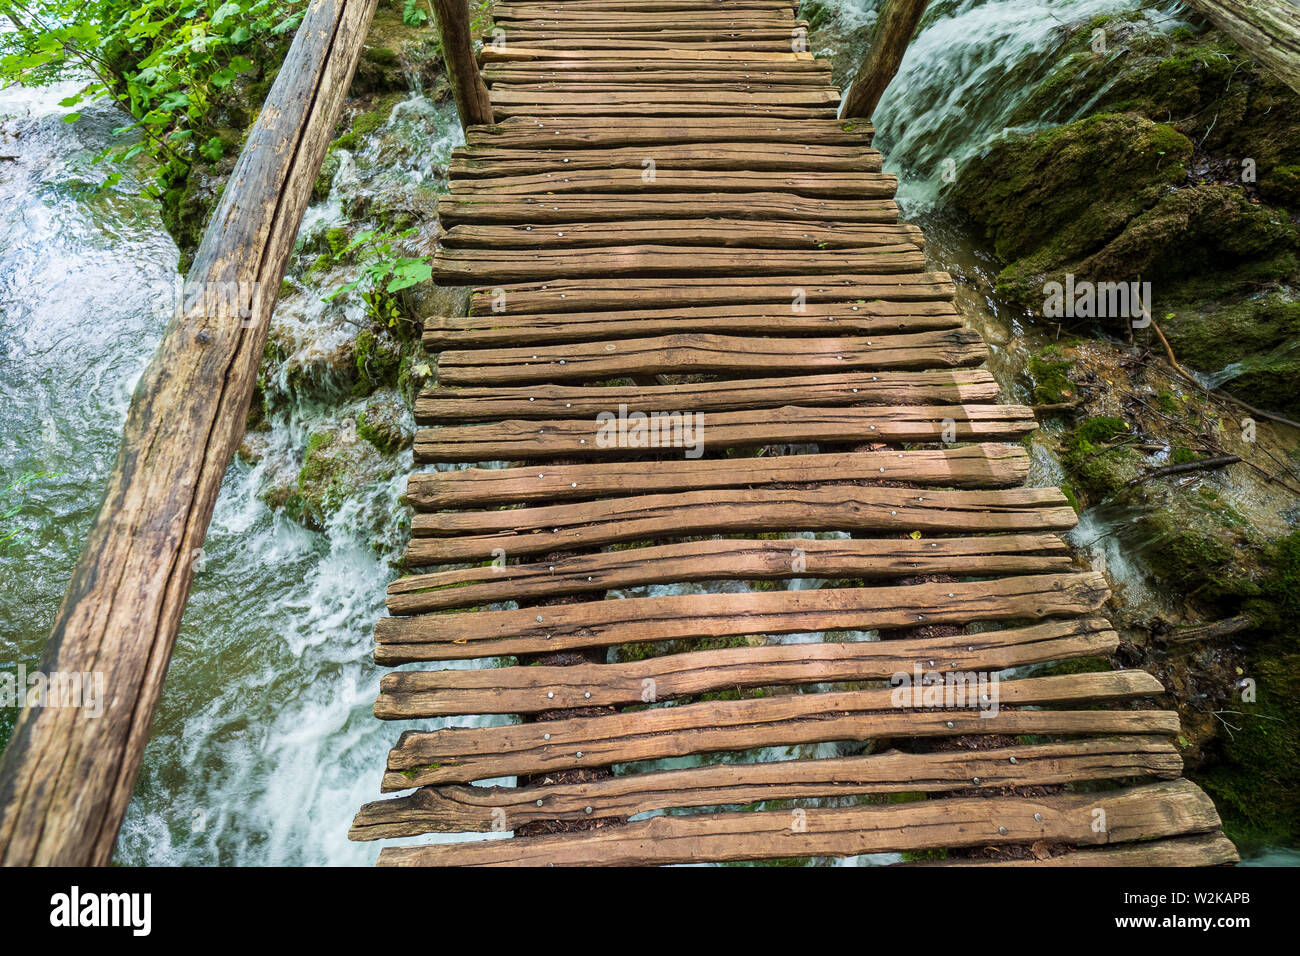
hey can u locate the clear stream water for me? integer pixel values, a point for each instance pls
(264, 745)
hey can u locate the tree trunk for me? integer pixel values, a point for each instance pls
(894, 32)
(66, 779)
(1269, 29)
(472, 100)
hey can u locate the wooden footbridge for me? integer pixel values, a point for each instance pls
(698, 335)
(698, 329)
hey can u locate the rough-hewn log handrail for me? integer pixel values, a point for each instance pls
(66, 780)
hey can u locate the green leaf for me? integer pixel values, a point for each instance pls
(71, 117)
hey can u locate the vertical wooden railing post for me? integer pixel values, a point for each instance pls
(69, 771)
(467, 86)
(897, 25)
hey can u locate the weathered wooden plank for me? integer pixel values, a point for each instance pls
(716, 233)
(813, 185)
(455, 266)
(671, 434)
(613, 207)
(583, 132)
(533, 689)
(530, 96)
(459, 809)
(739, 41)
(446, 537)
(518, 50)
(612, 19)
(692, 354)
(575, 9)
(495, 161)
(632, 620)
(505, 329)
(465, 754)
(703, 24)
(586, 295)
(66, 781)
(1205, 849)
(992, 465)
(1160, 809)
(622, 73)
(729, 560)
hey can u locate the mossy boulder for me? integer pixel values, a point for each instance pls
(385, 423)
(1100, 467)
(1256, 783)
(1050, 201)
(1254, 345)
(335, 464)
(1195, 79)
(378, 360)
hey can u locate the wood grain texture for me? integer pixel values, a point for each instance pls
(433, 637)
(537, 688)
(729, 560)
(1164, 809)
(961, 387)
(974, 466)
(454, 808)
(462, 754)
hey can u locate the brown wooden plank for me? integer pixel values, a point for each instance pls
(456, 266)
(586, 295)
(739, 510)
(829, 185)
(1164, 809)
(711, 436)
(610, 207)
(607, 19)
(632, 620)
(536, 688)
(991, 465)
(653, 73)
(533, 133)
(716, 233)
(505, 329)
(694, 354)
(730, 560)
(704, 23)
(458, 809)
(574, 8)
(465, 754)
(488, 161)
(517, 51)
(529, 95)
(445, 537)
(1205, 849)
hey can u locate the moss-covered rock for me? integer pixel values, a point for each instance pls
(335, 464)
(1052, 200)
(1100, 467)
(1256, 340)
(379, 358)
(384, 422)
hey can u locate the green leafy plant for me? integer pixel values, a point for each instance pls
(414, 13)
(172, 66)
(384, 274)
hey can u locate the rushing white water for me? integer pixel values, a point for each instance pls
(264, 745)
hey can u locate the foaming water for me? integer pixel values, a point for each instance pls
(264, 744)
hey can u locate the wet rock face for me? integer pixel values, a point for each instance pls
(1187, 176)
